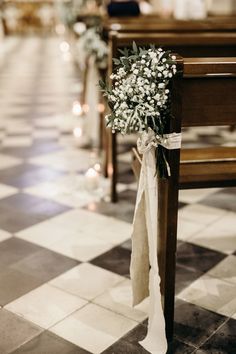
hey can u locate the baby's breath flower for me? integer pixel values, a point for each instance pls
(140, 94)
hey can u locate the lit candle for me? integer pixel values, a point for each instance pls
(77, 132)
(80, 138)
(91, 179)
(64, 47)
(97, 167)
(77, 109)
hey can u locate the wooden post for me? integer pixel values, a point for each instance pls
(168, 214)
(112, 169)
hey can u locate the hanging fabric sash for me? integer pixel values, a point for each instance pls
(144, 263)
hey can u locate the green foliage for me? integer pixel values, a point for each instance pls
(139, 97)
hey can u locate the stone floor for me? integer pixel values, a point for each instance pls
(65, 251)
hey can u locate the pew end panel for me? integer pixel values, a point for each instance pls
(194, 168)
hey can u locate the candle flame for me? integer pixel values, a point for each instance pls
(77, 132)
(91, 173)
(97, 167)
(64, 47)
(77, 109)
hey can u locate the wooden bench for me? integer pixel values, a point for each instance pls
(197, 100)
(154, 23)
(195, 44)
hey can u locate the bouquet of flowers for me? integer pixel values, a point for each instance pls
(92, 45)
(139, 98)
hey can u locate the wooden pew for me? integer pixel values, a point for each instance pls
(197, 100)
(154, 23)
(195, 44)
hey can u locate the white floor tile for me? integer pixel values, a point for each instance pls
(63, 234)
(101, 227)
(107, 228)
(86, 281)
(18, 128)
(212, 294)
(12, 141)
(70, 190)
(45, 133)
(80, 246)
(216, 239)
(195, 195)
(9, 161)
(93, 328)
(225, 270)
(45, 233)
(7, 191)
(187, 229)
(46, 305)
(68, 160)
(4, 235)
(201, 213)
(119, 299)
(228, 223)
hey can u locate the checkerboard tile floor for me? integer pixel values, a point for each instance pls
(65, 252)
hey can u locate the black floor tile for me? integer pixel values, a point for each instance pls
(25, 266)
(224, 199)
(117, 260)
(193, 324)
(127, 244)
(184, 277)
(126, 177)
(182, 205)
(27, 175)
(198, 258)
(15, 284)
(178, 347)
(22, 210)
(45, 265)
(49, 343)
(128, 196)
(14, 331)
(14, 250)
(20, 202)
(125, 173)
(223, 341)
(38, 147)
(123, 211)
(129, 343)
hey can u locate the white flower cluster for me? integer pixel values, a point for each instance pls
(92, 45)
(139, 96)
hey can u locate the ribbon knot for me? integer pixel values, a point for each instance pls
(149, 139)
(146, 141)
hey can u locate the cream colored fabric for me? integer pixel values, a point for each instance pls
(144, 241)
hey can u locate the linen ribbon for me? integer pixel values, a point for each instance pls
(144, 268)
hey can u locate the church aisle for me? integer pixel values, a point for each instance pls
(65, 251)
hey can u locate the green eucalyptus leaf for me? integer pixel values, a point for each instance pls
(116, 61)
